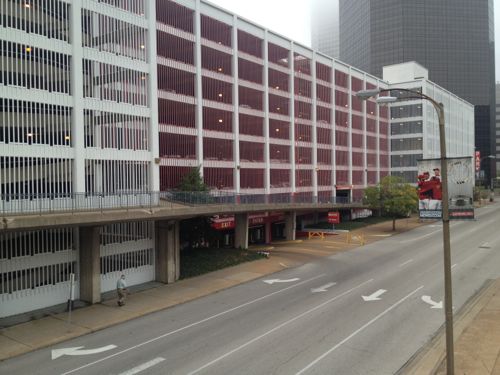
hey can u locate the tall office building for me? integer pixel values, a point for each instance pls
(325, 27)
(453, 39)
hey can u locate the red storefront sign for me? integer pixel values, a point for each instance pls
(223, 223)
(478, 160)
(256, 220)
(334, 217)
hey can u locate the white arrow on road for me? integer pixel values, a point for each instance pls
(323, 288)
(76, 351)
(272, 281)
(434, 305)
(374, 296)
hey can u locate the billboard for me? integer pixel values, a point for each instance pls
(460, 188)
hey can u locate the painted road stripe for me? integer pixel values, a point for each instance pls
(306, 251)
(358, 331)
(192, 324)
(405, 263)
(278, 327)
(143, 367)
(421, 237)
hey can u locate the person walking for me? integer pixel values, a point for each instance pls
(121, 289)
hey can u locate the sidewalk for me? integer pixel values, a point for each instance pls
(36, 334)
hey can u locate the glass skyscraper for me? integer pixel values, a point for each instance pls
(454, 40)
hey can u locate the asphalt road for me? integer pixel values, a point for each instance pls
(314, 321)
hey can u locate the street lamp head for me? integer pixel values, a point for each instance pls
(367, 94)
(490, 157)
(386, 100)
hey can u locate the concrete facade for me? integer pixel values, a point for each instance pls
(116, 117)
(168, 251)
(414, 122)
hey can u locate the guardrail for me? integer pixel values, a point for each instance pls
(225, 197)
(18, 204)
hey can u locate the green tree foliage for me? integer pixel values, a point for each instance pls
(193, 181)
(392, 197)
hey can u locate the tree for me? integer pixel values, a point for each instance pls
(192, 181)
(393, 197)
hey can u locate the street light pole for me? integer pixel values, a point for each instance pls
(448, 304)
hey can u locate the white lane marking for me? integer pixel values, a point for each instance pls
(277, 327)
(421, 237)
(143, 367)
(273, 281)
(358, 331)
(56, 353)
(322, 288)
(405, 263)
(374, 296)
(193, 324)
(434, 305)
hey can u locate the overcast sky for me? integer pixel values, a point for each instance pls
(291, 18)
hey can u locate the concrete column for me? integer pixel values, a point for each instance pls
(290, 223)
(241, 231)
(236, 101)
(198, 86)
(154, 167)
(267, 151)
(268, 233)
(77, 123)
(315, 170)
(90, 260)
(167, 251)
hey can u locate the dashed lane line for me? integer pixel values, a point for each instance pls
(143, 367)
(191, 325)
(358, 331)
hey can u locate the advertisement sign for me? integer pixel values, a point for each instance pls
(360, 213)
(334, 217)
(477, 158)
(460, 188)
